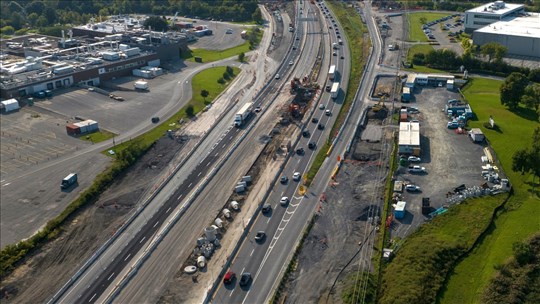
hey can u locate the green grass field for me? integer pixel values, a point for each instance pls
(415, 26)
(520, 220)
(215, 55)
(207, 80)
(99, 136)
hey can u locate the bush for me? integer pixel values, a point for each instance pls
(221, 81)
(190, 111)
(229, 70)
(226, 76)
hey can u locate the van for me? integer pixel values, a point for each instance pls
(340, 42)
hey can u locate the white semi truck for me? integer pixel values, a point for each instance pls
(242, 115)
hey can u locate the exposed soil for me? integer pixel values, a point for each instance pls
(44, 273)
(343, 222)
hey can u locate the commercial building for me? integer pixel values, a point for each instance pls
(489, 13)
(429, 79)
(409, 138)
(520, 35)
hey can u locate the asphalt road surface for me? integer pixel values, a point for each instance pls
(283, 225)
(93, 283)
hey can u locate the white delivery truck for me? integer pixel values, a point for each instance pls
(242, 115)
(141, 85)
(332, 72)
(335, 90)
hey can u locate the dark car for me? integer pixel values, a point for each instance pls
(266, 208)
(245, 279)
(312, 145)
(305, 133)
(300, 151)
(284, 179)
(314, 120)
(229, 277)
(328, 88)
(259, 237)
(155, 119)
(320, 126)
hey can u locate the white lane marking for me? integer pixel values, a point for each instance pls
(110, 277)
(189, 186)
(142, 239)
(168, 210)
(156, 224)
(282, 193)
(5, 184)
(223, 145)
(199, 174)
(252, 252)
(217, 154)
(242, 270)
(127, 257)
(208, 164)
(1, 181)
(179, 196)
(268, 220)
(92, 298)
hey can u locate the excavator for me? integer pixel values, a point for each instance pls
(380, 104)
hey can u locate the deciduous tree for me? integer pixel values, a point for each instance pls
(513, 89)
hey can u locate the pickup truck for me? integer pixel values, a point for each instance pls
(417, 169)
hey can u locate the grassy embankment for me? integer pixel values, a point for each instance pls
(127, 153)
(206, 80)
(215, 55)
(520, 217)
(359, 45)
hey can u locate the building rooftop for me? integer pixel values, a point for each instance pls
(496, 8)
(526, 26)
(409, 133)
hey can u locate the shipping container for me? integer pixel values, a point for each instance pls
(72, 129)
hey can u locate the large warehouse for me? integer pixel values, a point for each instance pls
(489, 13)
(521, 35)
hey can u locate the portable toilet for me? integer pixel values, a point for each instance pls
(399, 209)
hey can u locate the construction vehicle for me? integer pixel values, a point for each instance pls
(380, 105)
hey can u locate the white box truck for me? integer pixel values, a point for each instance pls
(242, 115)
(141, 85)
(334, 92)
(332, 72)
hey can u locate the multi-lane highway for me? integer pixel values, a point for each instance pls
(283, 225)
(97, 278)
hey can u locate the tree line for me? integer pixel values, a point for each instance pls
(16, 17)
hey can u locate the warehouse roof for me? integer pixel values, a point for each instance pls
(409, 134)
(494, 9)
(526, 26)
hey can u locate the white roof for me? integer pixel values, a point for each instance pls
(527, 26)
(409, 134)
(489, 8)
(10, 101)
(400, 206)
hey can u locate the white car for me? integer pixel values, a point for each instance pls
(277, 76)
(412, 188)
(284, 201)
(414, 159)
(296, 176)
(291, 62)
(328, 113)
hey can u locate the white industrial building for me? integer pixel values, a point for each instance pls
(409, 138)
(520, 35)
(489, 13)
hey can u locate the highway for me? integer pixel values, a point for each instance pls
(283, 225)
(99, 276)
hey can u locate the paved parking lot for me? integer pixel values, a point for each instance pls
(219, 40)
(32, 136)
(442, 37)
(450, 159)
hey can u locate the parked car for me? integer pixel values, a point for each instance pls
(229, 277)
(417, 169)
(245, 279)
(412, 188)
(414, 159)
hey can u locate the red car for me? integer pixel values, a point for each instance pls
(229, 277)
